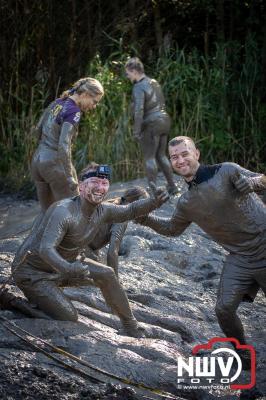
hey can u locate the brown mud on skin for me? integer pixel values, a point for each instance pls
(171, 284)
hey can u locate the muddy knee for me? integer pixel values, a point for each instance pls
(106, 276)
(60, 312)
(51, 301)
(68, 315)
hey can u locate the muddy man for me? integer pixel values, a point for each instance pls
(52, 170)
(50, 257)
(151, 122)
(222, 200)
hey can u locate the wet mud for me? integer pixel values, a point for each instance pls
(171, 284)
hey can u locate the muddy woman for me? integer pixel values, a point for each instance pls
(51, 168)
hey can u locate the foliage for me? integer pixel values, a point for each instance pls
(215, 99)
(105, 135)
(18, 115)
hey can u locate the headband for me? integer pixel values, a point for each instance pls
(102, 171)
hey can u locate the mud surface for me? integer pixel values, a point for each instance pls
(171, 284)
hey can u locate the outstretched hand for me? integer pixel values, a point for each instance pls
(160, 195)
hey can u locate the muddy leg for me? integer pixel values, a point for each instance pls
(114, 294)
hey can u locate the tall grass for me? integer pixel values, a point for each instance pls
(18, 115)
(216, 100)
(105, 135)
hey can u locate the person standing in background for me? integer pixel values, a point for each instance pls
(151, 122)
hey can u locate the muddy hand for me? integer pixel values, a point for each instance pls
(242, 183)
(77, 270)
(160, 195)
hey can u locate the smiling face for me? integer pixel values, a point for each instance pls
(94, 189)
(184, 158)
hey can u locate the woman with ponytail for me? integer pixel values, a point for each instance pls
(52, 170)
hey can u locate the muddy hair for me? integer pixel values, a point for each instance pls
(90, 85)
(181, 139)
(136, 64)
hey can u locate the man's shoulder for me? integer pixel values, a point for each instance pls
(106, 205)
(62, 207)
(229, 167)
(103, 208)
(144, 82)
(183, 200)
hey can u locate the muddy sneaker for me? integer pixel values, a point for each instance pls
(132, 328)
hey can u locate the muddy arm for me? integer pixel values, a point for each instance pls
(246, 181)
(138, 110)
(64, 152)
(118, 231)
(119, 213)
(173, 226)
(53, 234)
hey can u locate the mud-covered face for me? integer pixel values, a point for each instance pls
(87, 102)
(184, 158)
(94, 189)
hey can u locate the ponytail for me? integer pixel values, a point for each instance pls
(90, 85)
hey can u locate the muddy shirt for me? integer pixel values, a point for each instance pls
(65, 231)
(106, 232)
(58, 113)
(148, 103)
(235, 221)
(111, 234)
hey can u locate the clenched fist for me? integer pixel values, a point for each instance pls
(246, 184)
(77, 270)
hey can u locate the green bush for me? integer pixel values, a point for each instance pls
(216, 100)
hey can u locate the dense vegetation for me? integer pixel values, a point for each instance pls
(209, 56)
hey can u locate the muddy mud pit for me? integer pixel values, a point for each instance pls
(171, 284)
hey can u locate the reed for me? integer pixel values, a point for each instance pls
(216, 100)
